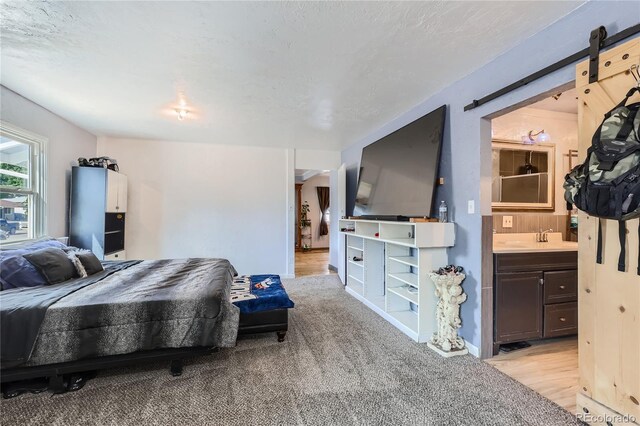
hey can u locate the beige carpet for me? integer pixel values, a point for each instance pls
(341, 365)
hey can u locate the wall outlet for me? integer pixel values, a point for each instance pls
(507, 221)
(471, 207)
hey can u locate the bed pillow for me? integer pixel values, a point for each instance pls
(82, 273)
(89, 261)
(16, 271)
(53, 264)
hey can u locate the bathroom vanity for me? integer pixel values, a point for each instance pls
(535, 288)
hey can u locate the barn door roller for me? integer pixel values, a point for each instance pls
(596, 41)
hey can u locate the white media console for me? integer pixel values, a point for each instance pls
(392, 277)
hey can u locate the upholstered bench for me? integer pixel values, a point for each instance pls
(264, 304)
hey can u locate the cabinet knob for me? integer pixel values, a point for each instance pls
(541, 281)
(562, 287)
(563, 319)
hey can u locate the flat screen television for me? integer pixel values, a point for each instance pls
(398, 172)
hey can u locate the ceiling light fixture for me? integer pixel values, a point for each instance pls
(182, 113)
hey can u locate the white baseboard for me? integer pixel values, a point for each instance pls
(473, 350)
(287, 276)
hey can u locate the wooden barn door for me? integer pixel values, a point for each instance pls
(609, 301)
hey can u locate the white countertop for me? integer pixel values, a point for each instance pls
(524, 243)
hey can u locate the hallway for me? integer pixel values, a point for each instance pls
(314, 262)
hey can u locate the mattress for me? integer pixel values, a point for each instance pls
(150, 305)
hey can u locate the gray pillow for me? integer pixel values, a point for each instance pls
(53, 264)
(90, 262)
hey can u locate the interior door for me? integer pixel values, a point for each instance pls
(608, 300)
(342, 212)
(298, 232)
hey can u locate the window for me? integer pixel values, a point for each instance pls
(327, 216)
(22, 174)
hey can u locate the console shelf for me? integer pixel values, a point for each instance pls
(405, 293)
(407, 278)
(406, 260)
(396, 257)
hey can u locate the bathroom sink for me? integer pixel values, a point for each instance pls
(522, 243)
(516, 244)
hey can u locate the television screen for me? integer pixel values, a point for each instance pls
(398, 172)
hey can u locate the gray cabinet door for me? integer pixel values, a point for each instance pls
(518, 306)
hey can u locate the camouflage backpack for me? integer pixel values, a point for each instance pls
(607, 185)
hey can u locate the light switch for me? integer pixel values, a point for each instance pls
(471, 207)
(507, 221)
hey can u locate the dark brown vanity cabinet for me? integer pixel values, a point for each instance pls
(518, 301)
(535, 296)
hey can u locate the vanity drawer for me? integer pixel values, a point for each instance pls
(560, 319)
(535, 261)
(560, 286)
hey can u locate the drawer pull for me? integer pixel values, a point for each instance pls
(563, 319)
(562, 287)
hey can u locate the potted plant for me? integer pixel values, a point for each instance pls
(305, 226)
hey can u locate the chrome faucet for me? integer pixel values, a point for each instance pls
(542, 236)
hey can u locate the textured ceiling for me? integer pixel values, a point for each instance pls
(303, 74)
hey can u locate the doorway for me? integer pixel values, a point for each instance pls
(535, 316)
(313, 219)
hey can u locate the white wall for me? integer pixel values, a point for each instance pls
(66, 143)
(561, 126)
(317, 159)
(205, 200)
(310, 194)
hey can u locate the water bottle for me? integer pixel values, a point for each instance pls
(442, 212)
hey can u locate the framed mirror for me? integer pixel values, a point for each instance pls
(523, 176)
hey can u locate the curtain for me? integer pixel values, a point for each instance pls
(323, 202)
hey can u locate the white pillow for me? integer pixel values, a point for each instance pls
(77, 263)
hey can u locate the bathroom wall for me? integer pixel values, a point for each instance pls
(532, 222)
(563, 129)
(561, 126)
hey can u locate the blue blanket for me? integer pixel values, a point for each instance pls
(256, 293)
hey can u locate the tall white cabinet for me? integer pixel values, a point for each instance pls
(392, 277)
(116, 192)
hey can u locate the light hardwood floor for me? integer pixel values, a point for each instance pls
(315, 262)
(549, 367)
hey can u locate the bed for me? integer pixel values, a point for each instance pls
(131, 311)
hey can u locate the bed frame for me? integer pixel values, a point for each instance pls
(258, 322)
(55, 372)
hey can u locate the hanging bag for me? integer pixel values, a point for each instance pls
(607, 184)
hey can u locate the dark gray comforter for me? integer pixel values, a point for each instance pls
(149, 305)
